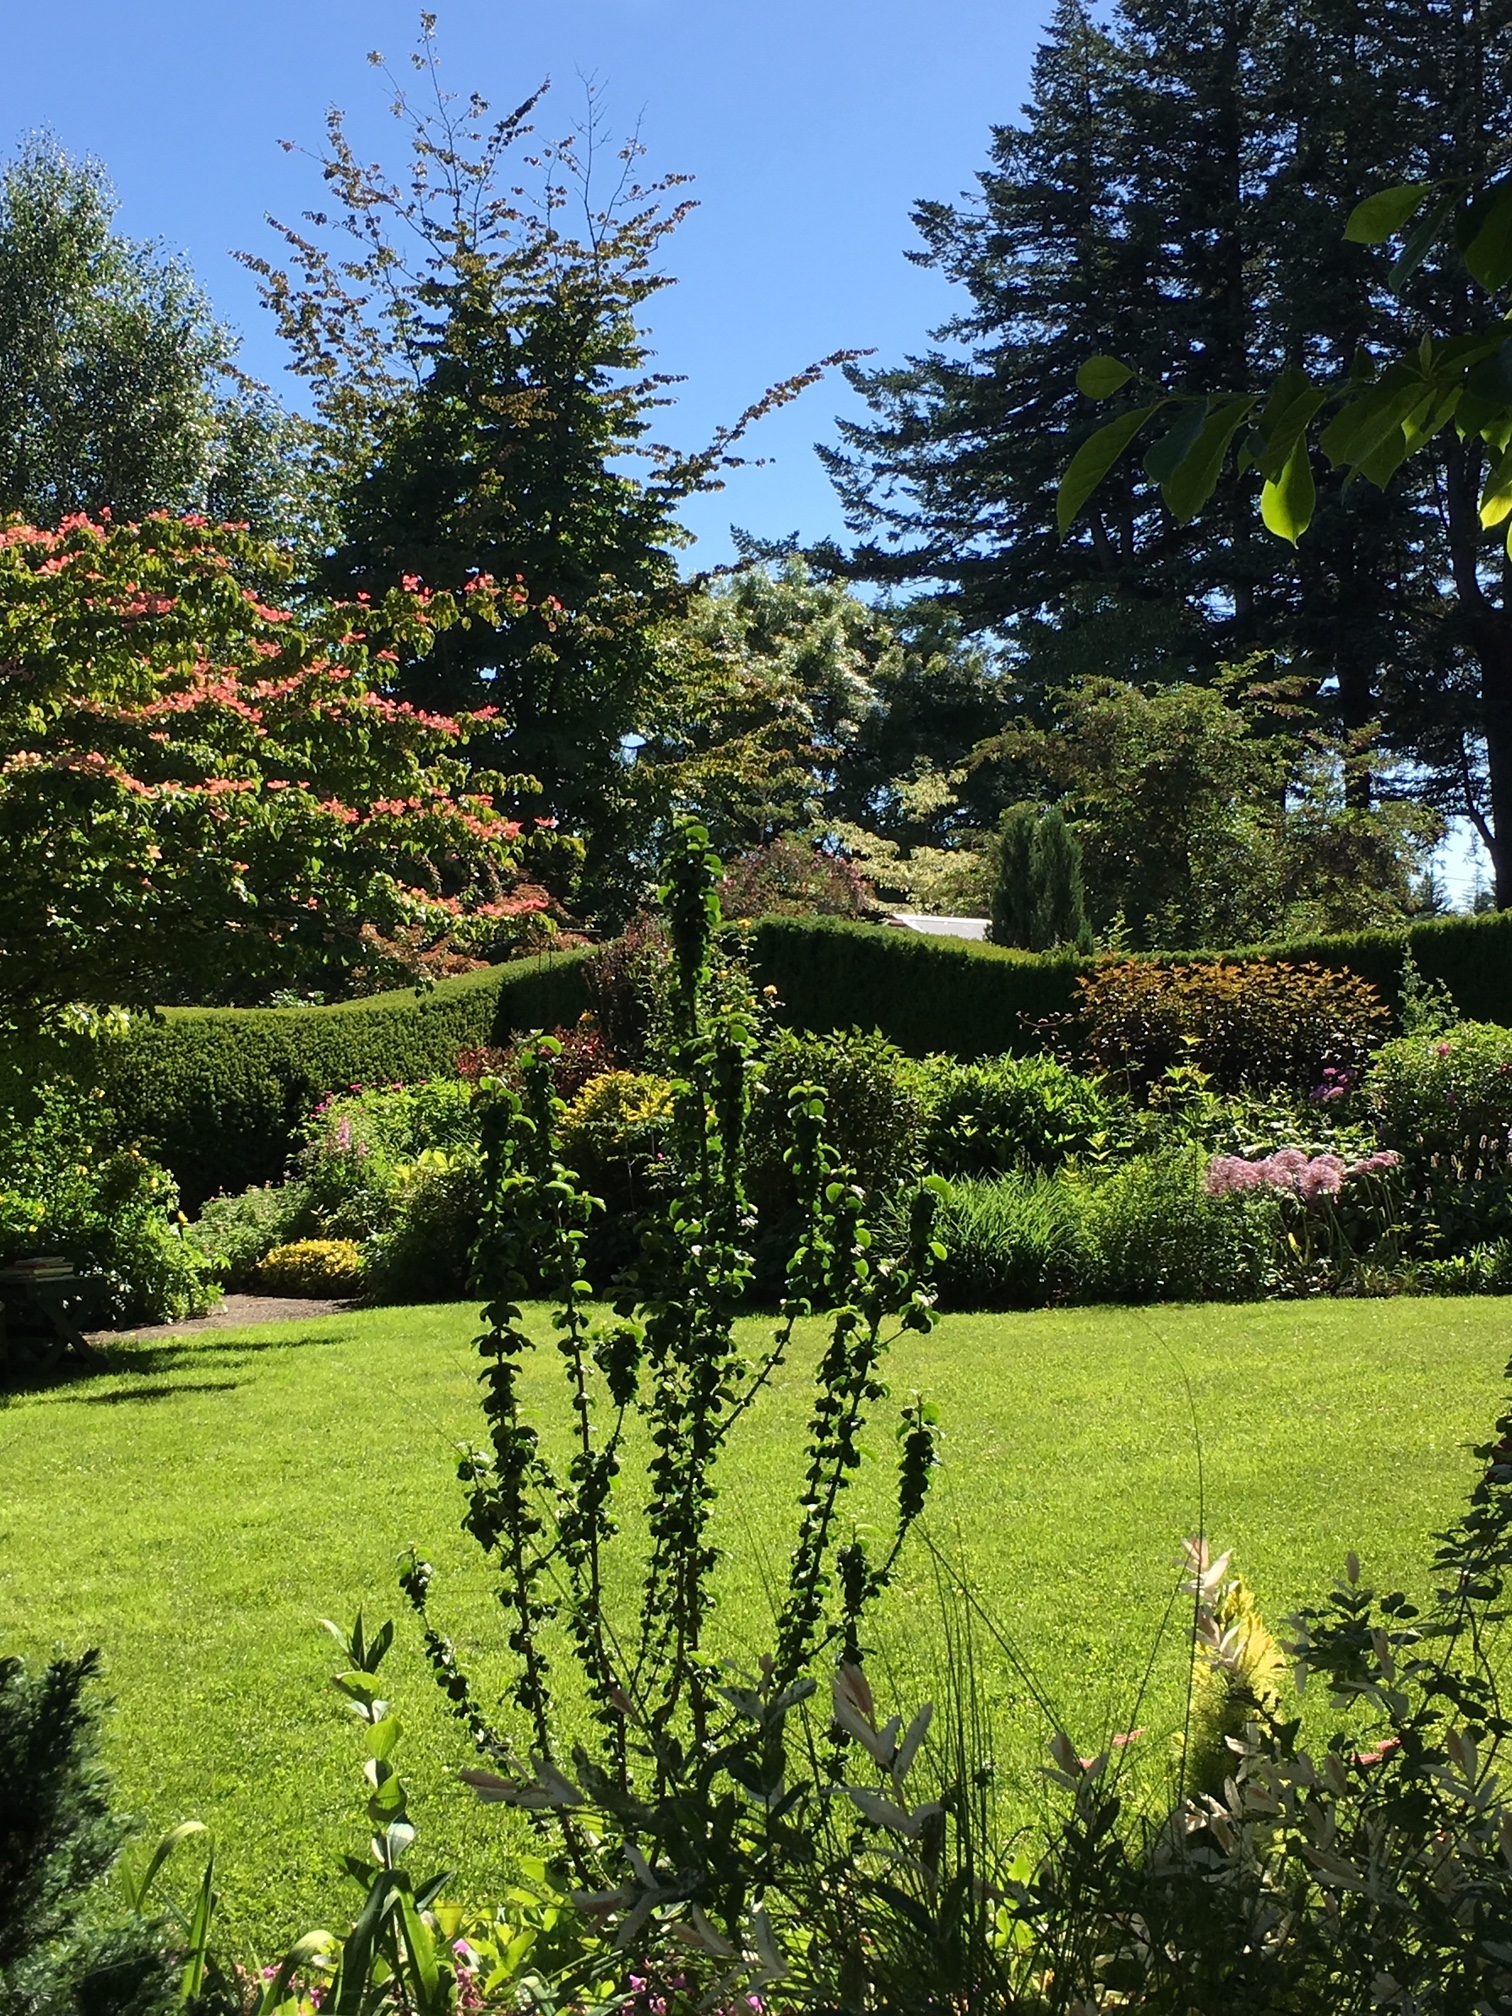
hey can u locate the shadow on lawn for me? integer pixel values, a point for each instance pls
(125, 1393)
(201, 1350)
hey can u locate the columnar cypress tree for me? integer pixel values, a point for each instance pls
(1011, 903)
(1059, 903)
(1038, 901)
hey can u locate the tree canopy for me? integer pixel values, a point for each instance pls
(206, 795)
(484, 397)
(117, 385)
(1173, 196)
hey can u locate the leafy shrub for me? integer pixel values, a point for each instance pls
(1484, 1270)
(423, 1253)
(624, 981)
(1011, 1112)
(1254, 1023)
(1447, 1093)
(1444, 1102)
(232, 1234)
(358, 1146)
(792, 878)
(313, 1267)
(1016, 1242)
(876, 1108)
(113, 1214)
(614, 1134)
(1158, 1236)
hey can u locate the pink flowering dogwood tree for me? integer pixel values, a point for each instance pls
(206, 792)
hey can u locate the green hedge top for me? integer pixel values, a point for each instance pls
(936, 994)
(216, 1093)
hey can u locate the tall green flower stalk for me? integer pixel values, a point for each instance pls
(674, 1802)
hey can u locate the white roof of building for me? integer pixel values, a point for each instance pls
(941, 927)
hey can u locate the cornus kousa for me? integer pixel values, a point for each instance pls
(208, 789)
(1312, 1178)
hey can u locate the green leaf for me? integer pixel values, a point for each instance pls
(1419, 245)
(1286, 415)
(1193, 482)
(1496, 495)
(1421, 427)
(1101, 377)
(1361, 425)
(1286, 504)
(1388, 455)
(1095, 457)
(1488, 256)
(1382, 215)
(1167, 454)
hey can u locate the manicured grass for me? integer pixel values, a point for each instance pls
(196, 1508)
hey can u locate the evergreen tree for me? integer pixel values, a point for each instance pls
(1059, 904)
(1037, 901)
(483, 397)
(60, 1954)
(1011, 902)
(1174, 194)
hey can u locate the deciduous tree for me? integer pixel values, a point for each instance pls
(206, 795)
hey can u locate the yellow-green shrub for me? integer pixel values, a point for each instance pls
(314, 1267)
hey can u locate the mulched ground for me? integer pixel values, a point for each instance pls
(233, 1312)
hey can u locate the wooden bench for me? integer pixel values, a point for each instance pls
(37, 1329)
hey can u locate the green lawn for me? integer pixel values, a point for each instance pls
(195, 1509)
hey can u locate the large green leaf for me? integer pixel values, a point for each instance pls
(1166, 455)
(1095, 457)
(1101, 377)
(1420, 244)
(1392, 450)
(1488, 256)
(1191, 484)
(1496, 495)
(1364, 422)
(1286, 505)
(1286, 415)
(1381, 216)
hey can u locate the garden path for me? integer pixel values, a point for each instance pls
(232, 1312)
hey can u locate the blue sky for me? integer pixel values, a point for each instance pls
(811, 129)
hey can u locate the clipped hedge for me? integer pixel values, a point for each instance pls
(216, 1093)
(932, 994)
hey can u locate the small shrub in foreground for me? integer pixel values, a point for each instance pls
(63, 1950)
